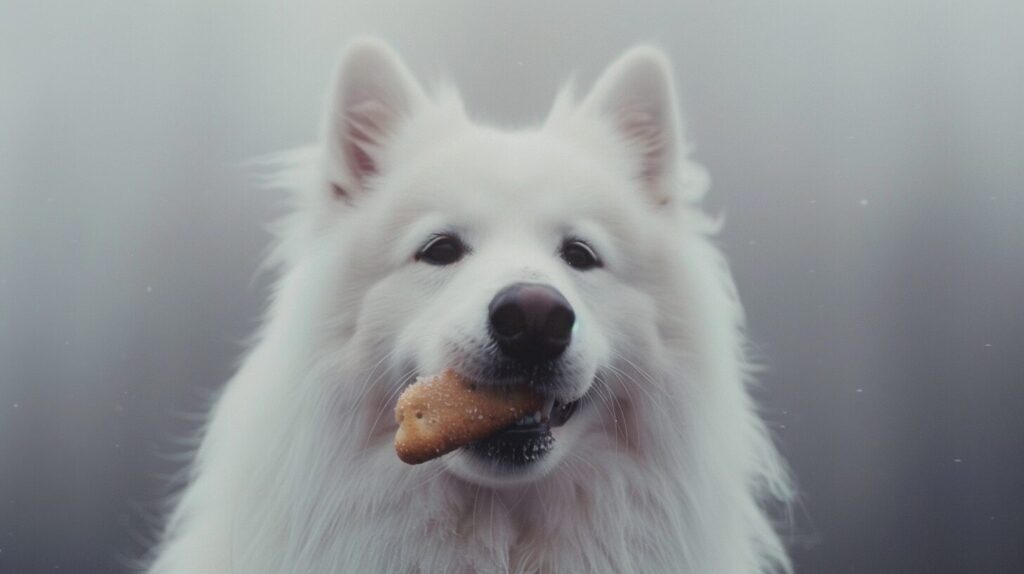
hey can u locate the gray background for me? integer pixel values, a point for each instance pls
(867, 155)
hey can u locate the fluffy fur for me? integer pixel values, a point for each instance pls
(665, 468)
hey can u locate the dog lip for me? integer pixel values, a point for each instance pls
(562, 412)
(527, 440)
(515, 447)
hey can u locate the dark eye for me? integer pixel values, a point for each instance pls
(442, 250)
(579, 255)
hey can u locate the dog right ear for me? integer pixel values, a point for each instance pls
(635, 93)
(374, 93)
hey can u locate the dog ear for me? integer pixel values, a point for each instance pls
(636, 94)
(374, 93)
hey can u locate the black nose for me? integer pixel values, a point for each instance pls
(531, 323)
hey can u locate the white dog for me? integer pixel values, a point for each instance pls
(572, 257)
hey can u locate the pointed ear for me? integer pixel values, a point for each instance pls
(374, 93)
(635, 93)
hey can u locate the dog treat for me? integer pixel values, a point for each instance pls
(438, 414)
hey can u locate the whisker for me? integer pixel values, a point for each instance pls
(580, 458)
(432, 474)
(599, 391)
(618, 375)
(387, 401)
(645, 376)
(640, 382)
(369, 385)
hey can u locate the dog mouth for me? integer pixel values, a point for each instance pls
(527, 440)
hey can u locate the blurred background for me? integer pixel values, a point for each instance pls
(867, 155)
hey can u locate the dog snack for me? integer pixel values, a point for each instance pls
(438, 414)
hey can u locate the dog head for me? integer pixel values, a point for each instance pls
(529, 257)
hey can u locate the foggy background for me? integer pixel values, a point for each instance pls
(867, 155)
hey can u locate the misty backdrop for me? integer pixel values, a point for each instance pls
(867, 157)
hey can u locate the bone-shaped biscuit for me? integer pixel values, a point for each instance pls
(438, 414)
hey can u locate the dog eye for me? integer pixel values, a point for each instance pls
(441, 250)
(579, 255)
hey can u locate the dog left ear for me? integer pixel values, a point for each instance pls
(636, 94)
(374, 93)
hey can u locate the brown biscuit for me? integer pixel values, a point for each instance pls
(438, 414)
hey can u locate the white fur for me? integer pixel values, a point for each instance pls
(665, 468)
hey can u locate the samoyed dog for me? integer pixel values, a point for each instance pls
(571, 256)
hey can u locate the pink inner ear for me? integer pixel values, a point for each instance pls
(366, 126)
(364, 162)
(642, 129)
(361, 161)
